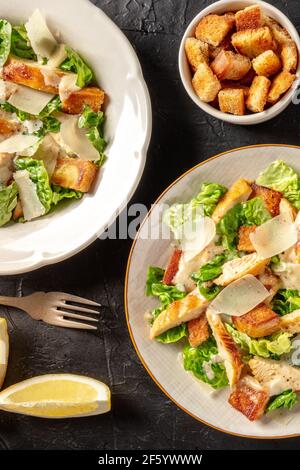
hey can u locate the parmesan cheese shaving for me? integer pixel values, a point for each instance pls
(18, 143)
(42, 40)
(67, 86)
(29, 100)
(197, 235)
(32, 206)
(240, 297)
(58, 56)
(76, 139)
(51, 78)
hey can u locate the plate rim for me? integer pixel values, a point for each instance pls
(126, 282)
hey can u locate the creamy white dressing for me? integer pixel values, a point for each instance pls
(32, 125)
(289, 274)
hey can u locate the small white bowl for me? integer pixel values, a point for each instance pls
(221, 7)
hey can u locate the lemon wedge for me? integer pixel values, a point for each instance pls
(4, 349)
(57, 396)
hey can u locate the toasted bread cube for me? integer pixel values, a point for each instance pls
(267, 64)
(76, 102)
(6, 168)
(270, 197)
(224, 46)
(249, 18)
(289, 57)
(74, 173)
(280, 34)
(205, 83)
(252, 42)
(198, 331)
(230, 66)
(196, 52)
(235, 86)
(250, 398)
(245, 243)
(214, 28)
(232, 101)
(259, 322)
(258, 94)
(280, 85)
(172, 267)
(8, 127)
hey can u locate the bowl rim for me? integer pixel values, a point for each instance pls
(248, 119)
(126, 284)
(37, 261)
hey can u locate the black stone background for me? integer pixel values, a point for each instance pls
(142, 416)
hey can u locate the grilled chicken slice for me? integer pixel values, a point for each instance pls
(8, 127)
(271, 282)
(239, 267)
(6, 168)
(275, 376)
(180, 311)
(250, 398)
(172, 267)
(259, 322)
(270, 197)
(239, 192)
(39, 77)
(291, 322)
(287, 208)
(227, 348)
(74, 173)
(198, 331)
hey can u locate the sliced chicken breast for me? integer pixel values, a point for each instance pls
(239, 192)
(239, 267)
(275, 376)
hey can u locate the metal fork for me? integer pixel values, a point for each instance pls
(52, 308)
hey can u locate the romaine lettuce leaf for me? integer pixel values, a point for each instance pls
(39, 176)
(50, 124)
(286, 399)
(93, 123)
(59, 193)
(75, 63)
(203, 204)
(281, 177)
(173, 335)
(8, 201)
(197, 360)
(20, 45)
(286, 301)
(51, 107)
(5, 40)
(272, 346)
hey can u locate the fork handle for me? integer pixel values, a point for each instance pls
(11, 301)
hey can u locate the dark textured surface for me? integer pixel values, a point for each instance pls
(142, 417)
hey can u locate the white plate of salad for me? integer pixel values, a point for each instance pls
(213, 292)
(75, 123)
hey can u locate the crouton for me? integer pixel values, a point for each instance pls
(198, 331)
(6, 168)
(232, 101)
(214, 28)
(196, 52)
(244, 243)
(74, 173)
(279, 373)
(224, 46)
(266, 64)
(289, 57)
(18, 211)
(230, 66)
(270, 197)
(250, 398)
(183, 310)
(239, 267)
(249, 18)
(76, 102)
(239, 192)
(259, 322)
(252, 42)
(8, 127)
(172, 267)
(235, 86)
(205, 83)
(258, 94)
(280, 85)
(280, 34)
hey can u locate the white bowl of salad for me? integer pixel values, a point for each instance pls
(75, 123)
(216, 321)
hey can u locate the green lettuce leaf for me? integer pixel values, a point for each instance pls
(203, 204)
(194, 360)
(286, 399)
(59, 193)
(20, 44)
(272, 346)
(286, 301)
(252, 212)
(173, 335)
(8, 201)
(21, 115)
(51, 107)
(39, 176)
(50, 124)
(93, 123)
(75, 63)
(5, 40)
(281, 177)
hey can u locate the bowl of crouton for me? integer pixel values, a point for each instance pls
(239, 61)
